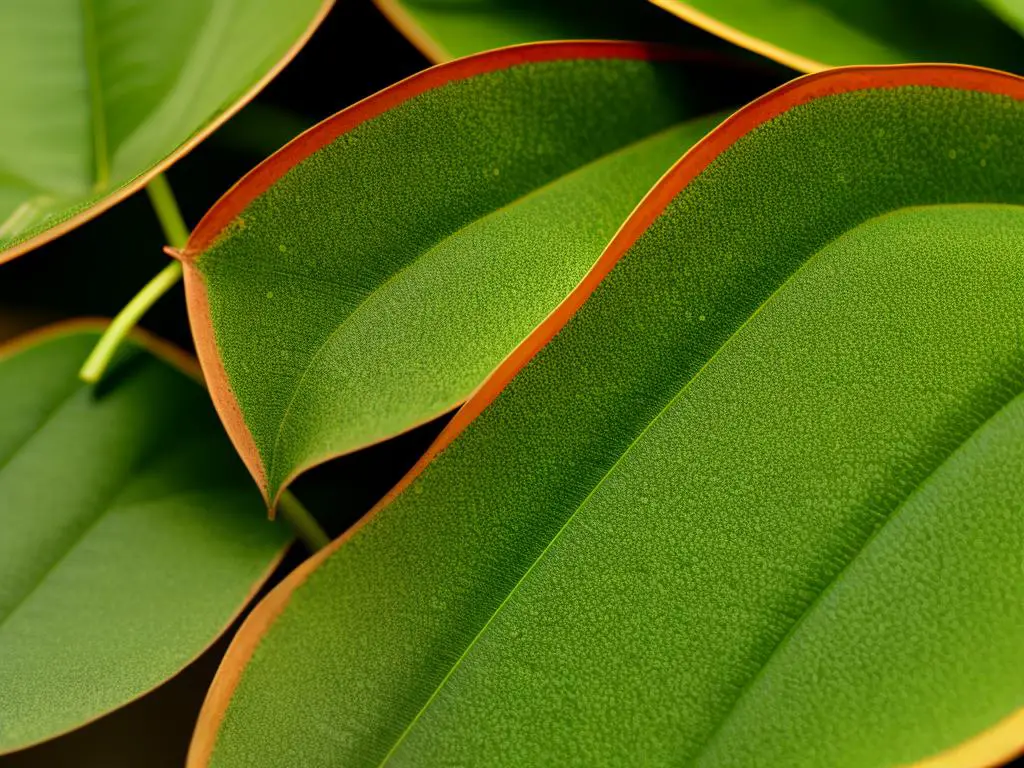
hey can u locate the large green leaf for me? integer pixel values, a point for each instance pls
(131, 534)
(810, 35)
(367, 277)
(757, 502)
(445, 30)
(100, 95)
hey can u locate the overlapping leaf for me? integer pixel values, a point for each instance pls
(756, 497)
(131, 534)
(99, 95)
(445, 31)
(811, 35)
(367, 277)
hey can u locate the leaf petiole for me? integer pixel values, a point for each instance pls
(166, 207)
(302, 522)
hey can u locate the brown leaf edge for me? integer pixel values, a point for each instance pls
(226, 210)
(999, 743)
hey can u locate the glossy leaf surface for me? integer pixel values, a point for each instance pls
(810, 35)
(758, 497)
(367, 277)
(99, 95)
(445, 31)
(131, 534)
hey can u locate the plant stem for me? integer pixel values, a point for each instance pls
(166, 207)
(162, 197)
(96, 364)
(302, 522)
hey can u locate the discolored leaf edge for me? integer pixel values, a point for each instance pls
(181, 361)
(232, 204)
(140, 181)
(999, 743)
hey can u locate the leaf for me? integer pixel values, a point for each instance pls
(367, 277)
(101, 95)
(759, 497)
(443, 31)
(132, 536)
(1011, 11)
(811, 35)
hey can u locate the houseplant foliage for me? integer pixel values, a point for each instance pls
(811, 35)
(109, 92)
(507, 206)
(129, 542)
(734, 470)
(716, 507)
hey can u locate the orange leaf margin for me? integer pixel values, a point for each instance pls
(266, 174)
(140, 181)
(188, 365)
(992, 747)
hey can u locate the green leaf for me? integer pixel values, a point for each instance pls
(1011, 11)
(811, 35)
(101, 95)
(367, 277)
(444, 30)
(759, 497)
(132, 536)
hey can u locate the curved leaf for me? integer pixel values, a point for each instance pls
(367, 277)
(101, 95)
(131, 534)
(811, 35)
(443, 31)
(758, 493)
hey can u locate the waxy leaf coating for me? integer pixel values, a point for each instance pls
(750, 497)
(811, 35)
(132, 536)
(100, 95)
(367, 277)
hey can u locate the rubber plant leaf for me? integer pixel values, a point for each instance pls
(811, 35)
(132, 535)
(444, 31)
(101, 95)
(751, 492)
(367, 277)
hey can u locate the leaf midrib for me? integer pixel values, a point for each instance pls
(426, 252)
(636, 440)
(97, 113)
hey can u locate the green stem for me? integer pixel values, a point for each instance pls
(302, 522)
(99, 359)
(166, 207)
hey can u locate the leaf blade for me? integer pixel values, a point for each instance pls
(275, 284)
(98, 489)
(109, 95)
(484, 504)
